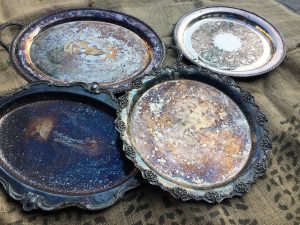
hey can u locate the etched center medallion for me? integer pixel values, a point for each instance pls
(225, 44)
(190, 133)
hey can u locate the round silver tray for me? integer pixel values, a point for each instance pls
(230, 41)
(194, 133)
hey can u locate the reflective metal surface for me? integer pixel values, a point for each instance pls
(207, 124)
(229, 41)
(90, 51)
(194, 133)
(87, 45)
(61, 144)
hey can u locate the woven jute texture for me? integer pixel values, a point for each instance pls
(273, 200)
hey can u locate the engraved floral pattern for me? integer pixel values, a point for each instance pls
(180, 193)
(248, 53)
(242, 187)
(212, 196)
(266, 144)
(129, 150)
(260, 168)
(137, 83)
(150, 176)
(123, 101)
(120, 125)
(261, 119)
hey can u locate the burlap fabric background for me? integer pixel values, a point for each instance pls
(274, 199)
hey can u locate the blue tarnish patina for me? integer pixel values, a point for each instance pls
(60, 144)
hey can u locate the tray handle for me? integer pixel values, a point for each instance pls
(3, 27)
(178, 51)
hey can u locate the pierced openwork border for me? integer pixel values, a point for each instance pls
(240, 185)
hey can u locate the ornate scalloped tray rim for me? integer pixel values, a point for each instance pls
(237, 187)
(32, 199)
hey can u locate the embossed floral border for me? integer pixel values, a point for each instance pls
(241, 184)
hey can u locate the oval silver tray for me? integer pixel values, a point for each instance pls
(194, 133)
(230, 41)
(59, 147)
(86, 45)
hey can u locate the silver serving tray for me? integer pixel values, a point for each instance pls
(59, 147)
(230, 41)
(194, 133)
(85, 45)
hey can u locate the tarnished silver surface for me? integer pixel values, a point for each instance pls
(109, 53)
(194, 133)
(190, 115)
(59, 147)
(86, 45)
(229, 41)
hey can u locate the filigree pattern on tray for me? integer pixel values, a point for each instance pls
(243, 46)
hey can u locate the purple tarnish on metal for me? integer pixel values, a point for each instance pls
(194, 133)
(191, 133)
(87, 45)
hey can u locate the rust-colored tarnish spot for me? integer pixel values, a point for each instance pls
(190, 133)
(88, 51)
(40, 128)
(82, 46)
(112, 53)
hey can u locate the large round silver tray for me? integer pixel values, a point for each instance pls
(194, 133)
(230, 41)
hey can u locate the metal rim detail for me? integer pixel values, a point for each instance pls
(33, 198)
(238, 186)
(30, 74)
(278, 50)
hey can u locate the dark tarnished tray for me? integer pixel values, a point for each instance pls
(194, 133)
(230, 41)
(86, 45)
(59, 147)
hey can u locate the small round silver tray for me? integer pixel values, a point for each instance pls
(194, 133)
(230, 41)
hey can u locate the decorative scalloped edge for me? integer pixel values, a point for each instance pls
(121, 88)
(31, 200)
(89, 87)
(241, 185)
